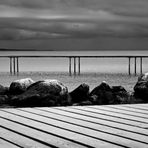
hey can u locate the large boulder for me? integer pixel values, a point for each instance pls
(19, 86)
(121, 96)
(102, 94)
(43, 93)
(141, 88)
(80, 94)
(4, 90)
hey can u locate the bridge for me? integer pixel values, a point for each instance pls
(75, 61)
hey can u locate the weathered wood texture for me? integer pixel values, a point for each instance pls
(86, 126)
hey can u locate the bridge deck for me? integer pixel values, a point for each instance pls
(89, 126)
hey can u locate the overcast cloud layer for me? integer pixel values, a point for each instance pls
(75, 19)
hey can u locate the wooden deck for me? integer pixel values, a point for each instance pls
(111, 126)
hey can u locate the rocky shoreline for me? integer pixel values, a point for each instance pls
(47, 93)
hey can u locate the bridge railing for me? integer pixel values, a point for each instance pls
(75, 60)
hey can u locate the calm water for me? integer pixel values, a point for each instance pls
(61, 65)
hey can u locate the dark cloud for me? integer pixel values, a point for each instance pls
(50, 19)
(25, 30)
(21, 34)
(122, 7)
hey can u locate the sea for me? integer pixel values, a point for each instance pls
(95, 65)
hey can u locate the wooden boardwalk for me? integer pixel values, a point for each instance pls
(111, 126)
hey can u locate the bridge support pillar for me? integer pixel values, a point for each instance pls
(129, 66)
(14, 65)
(140, 65)
(74, 64)
(135, 66)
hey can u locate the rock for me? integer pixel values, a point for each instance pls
(134, 100)
(141, 88)
(86, 103)
(102, 94)
(121, 96)
(43, 93)
(143, 77)
(81, 93)
(4, 90)
(19, 86)
(4, 99)
(102, 86)
(83, 103)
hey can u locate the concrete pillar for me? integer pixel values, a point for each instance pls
(135, 66)
(79, 66)
(141, 65)
(129, 66)
(10, 65)
(75, 66)
(17, 61)
(14, 69)
(69, 66)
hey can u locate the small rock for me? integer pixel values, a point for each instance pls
(82, 103)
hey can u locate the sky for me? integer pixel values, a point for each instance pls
(74, 24)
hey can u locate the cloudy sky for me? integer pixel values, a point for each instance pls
(74, 24)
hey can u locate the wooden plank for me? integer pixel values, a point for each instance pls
(142, 104)
(89, 119)
(20, 140)
(130, 110)
(60, 121)
(6, 144)
(132, 105)
(105, 116)
(81, 130)
(114, 113)
(76, 126)
(140, 107)
(125, 111)
(22, 124)
(42, 137)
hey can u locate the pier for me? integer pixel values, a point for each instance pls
(75, 62)
(107, 126)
